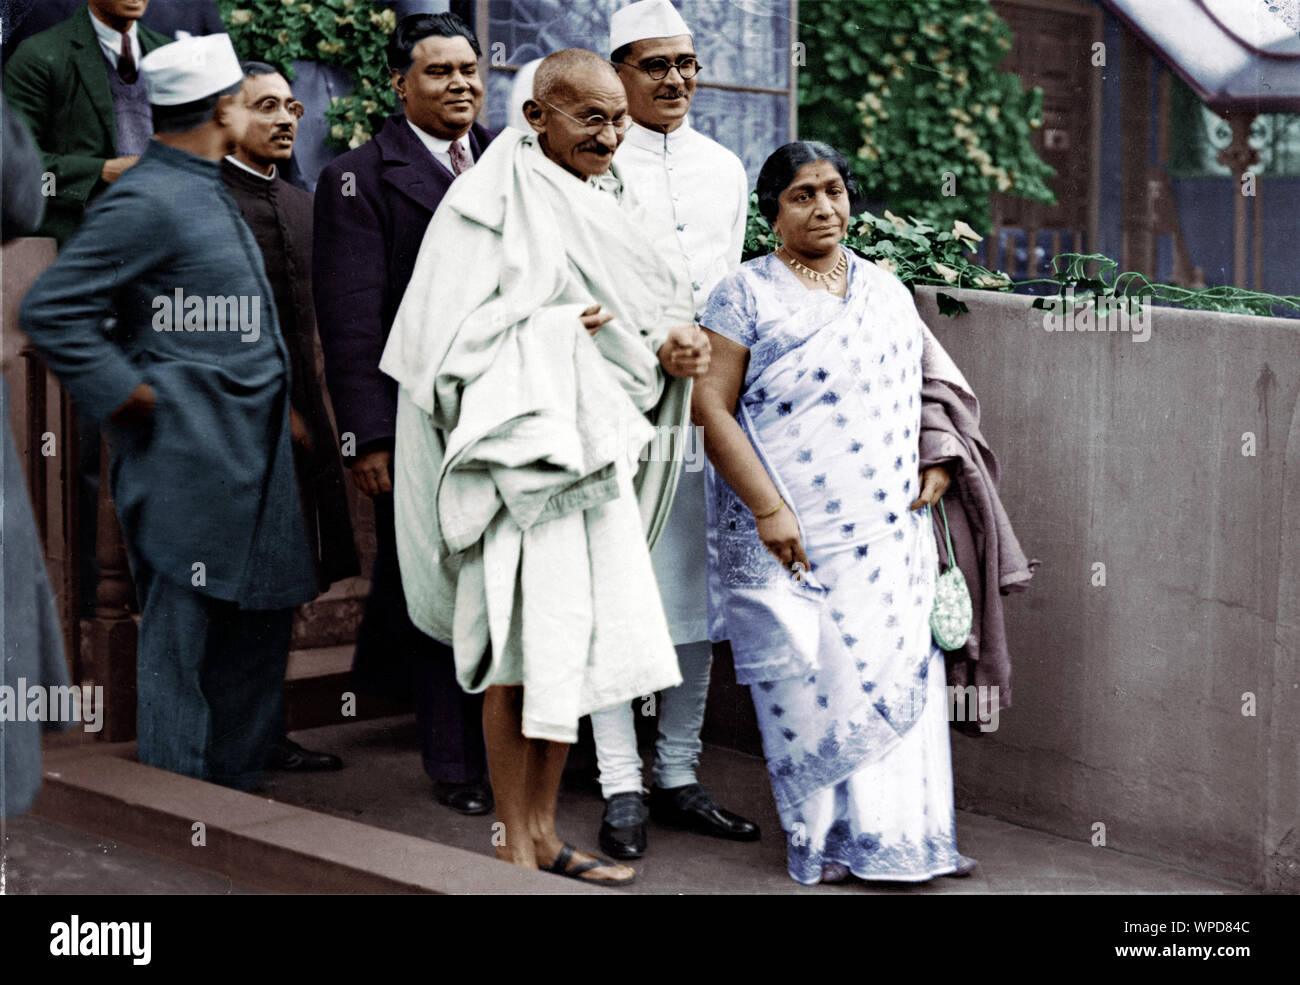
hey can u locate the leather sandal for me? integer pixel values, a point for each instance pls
(561, 868)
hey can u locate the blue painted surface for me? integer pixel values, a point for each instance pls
(1110, 201)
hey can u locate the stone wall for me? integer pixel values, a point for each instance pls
(1164, 704)
(1133, 699)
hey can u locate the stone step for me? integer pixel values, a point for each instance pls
(318, 690)
(254, 841)
(318, 661)
(332, 619)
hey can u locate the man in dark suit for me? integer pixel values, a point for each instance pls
(185, 18)
(77, 86)
(372, 207)
(174, 18)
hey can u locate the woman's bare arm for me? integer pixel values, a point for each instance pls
(713, 407)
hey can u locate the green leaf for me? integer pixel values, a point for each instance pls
(949, 306)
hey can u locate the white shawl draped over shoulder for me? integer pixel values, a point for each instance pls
(519, 535)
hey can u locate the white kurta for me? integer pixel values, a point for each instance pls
(703, 186)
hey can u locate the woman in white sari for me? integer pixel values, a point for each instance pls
(821, 552)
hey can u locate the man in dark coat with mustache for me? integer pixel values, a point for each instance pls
(279, 216)
(372, 207)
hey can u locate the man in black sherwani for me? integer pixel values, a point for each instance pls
(280, 217)
(372, 207)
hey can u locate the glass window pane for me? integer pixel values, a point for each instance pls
(743, 42)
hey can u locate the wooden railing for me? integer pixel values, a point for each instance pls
(100, 645)
(1024, 254)
(43, 422)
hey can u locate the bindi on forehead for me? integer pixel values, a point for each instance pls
(812, 186)
(816, 169)
(819, 174)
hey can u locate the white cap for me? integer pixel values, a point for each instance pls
(190, 69)
(645, 19)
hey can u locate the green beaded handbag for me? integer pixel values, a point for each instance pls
(951, 616)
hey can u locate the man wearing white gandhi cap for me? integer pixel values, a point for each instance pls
(702, 186)
(190, 70)
(194, 385)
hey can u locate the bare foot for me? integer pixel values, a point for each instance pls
(834, 872)
(522, 857)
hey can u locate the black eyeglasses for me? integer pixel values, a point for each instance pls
(595, 123)
(658, 68)
(270, 107)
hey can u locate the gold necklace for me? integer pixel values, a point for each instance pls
(830, 277)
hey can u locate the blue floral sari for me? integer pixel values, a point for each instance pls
(847, 683)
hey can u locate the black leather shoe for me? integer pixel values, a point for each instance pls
(290, 757)
(693, 808)
(471, 799)
(622, 831)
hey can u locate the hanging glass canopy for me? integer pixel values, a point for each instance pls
(1236, 55)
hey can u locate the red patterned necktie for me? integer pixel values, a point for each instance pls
(459, 159)
(126, 70)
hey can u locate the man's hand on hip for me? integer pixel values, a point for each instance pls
(115, 166)
(686, 351)
(298, 431)
(137, 408)
(370, 472)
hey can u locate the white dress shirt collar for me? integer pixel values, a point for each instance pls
(110, 41)
(653, 140)
(241, 165)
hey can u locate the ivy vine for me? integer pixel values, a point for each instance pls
(914, 250)
(921, 252)
(349, 34)
(1076, 284)
(912, 93)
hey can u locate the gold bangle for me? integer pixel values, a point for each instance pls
(766, 513)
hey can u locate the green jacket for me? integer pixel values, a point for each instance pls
(57, 81)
